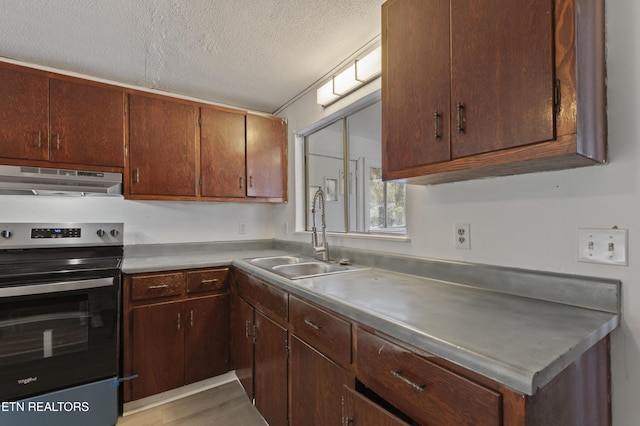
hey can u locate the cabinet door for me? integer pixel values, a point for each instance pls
(415, 83)
(359, 411)
(266, 157)
(207, 337)
(162, 139)
(242, 343)
(270, 370)
(87, 124)
(24, 114)
(502, 59)
(316, 387)
(222, 153)
(158, 348)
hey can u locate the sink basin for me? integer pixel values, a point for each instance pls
(270, 262)
(296, 267)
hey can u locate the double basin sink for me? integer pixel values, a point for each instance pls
(296, 267)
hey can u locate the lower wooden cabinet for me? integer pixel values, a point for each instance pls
(171, 339)
(259, 345)
(316, 386)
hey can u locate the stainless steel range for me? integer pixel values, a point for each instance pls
(59, 323)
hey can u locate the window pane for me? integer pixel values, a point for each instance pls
(396, 195)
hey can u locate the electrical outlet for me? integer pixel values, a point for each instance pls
(242, 228)
(609, 246)
(286, 228)
(463, 236)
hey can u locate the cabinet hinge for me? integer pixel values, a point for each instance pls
(556, 97)
(254, 333)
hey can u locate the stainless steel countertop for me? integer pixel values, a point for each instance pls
(518, 341)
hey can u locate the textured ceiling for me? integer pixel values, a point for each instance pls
(253, 54)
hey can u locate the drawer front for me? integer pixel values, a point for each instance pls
(156, 285)
(265, 297)
(359, 411)
(210, 280)
(324, 331)
(425, 391)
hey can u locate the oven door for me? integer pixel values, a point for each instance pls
(57, 334)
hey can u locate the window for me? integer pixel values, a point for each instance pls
(344, 160)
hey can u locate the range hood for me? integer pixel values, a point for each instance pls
(20, 180)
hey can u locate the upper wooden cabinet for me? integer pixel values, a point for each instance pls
(266, 157)
(46, 121)
(493, 88)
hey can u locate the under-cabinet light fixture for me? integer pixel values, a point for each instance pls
(359, 73)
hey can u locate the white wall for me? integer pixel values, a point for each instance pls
(530, 221)
(147, 222)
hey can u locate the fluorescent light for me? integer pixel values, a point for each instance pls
(325, 95)
(369, 66)
(346, 81)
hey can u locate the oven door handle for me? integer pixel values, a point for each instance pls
(27, 290)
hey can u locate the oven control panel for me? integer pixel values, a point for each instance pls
(56, 232)
(35, 235)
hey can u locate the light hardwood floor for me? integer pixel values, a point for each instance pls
(222, 405)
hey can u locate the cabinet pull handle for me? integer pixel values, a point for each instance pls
(178, 321)
(137, 176)
(39, 139)
(191, 318)
(153, 287)
(312, 324)
(460, 109)
(247, 328)
(57, 136)
(250, 181)
(241, 182)
(208, 282)
(348, 421)
(398, 375)
(436, 131)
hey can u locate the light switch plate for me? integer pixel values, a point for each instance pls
(608, 246)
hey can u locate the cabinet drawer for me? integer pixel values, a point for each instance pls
(324, 331)
(263, 296)
(207, 280)
(423, 390)
(156, 285)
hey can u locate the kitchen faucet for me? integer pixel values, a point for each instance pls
(319, 251)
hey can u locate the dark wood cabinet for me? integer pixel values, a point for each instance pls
(266, 157)
(260, 345)
(493, 88)
(172, 337)
(316, 386)
(162, 147)
(360, 411)
(222, 153)
(58, 122)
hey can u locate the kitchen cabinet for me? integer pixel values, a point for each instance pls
(261, 349)
(266, 157)
(162, 147)
(176, 329)
(494, 88)
(51, 121)
(320, 360)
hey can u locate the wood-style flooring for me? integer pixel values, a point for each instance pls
(222, 405)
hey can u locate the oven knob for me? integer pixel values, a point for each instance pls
(100, 232)
(114, 232)
(6, 234)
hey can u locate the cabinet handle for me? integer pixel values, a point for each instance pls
(247, 328)
(208, 282)
(178, 321)
(191, 318)
(39, 139)
(348, 421)
(153, 287)
(57, 137)
(241, 182)
(137, 176)
(460, 109)
(250, 181)
(436, 131)
(312, 324)
(398, 375)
